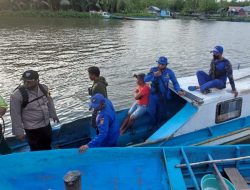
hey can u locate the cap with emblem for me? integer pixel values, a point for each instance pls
(217, 50)
(162, 60)
(30, 75)
(96, 100)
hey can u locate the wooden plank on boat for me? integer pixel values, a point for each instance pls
(236, 178)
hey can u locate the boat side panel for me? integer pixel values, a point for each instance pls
(116, 168)
(208, 133)
(205, 117)
(124, 168)
(173, 124)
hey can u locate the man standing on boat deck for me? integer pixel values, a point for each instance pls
(106, 123)
(159, 77)
(220, 70)
(99, 83)
(31, 108)
(99, 86)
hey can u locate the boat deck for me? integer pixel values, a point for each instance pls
(242, 83)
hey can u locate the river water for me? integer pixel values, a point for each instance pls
(62, 50)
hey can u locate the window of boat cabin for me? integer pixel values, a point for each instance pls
(228, 110)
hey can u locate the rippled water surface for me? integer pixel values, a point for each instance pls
(62, 49)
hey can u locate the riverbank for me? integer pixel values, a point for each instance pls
(214, 18)
(234, 19)
(87, 15)
(49, 14)
(66, 14)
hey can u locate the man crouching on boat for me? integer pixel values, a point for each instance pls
(220, 70)
(108, 128)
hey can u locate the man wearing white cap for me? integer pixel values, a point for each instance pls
(31, 108)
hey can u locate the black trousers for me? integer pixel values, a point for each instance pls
(39, 139)
(4, 147)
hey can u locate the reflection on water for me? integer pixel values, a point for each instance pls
(62, 49)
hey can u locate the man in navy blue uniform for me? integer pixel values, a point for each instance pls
(220, 70)
(107, 125)
(159, 77)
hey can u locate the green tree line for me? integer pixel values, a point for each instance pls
(127, 6)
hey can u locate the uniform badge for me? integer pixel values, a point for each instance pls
(167, 75)
(101, 121)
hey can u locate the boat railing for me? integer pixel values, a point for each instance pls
(195, 99)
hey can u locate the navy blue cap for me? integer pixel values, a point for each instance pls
(162, 60)
(217, 50)
(96, 100)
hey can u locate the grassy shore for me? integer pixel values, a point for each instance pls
(50, 14)
(65, 14)
(75, 14)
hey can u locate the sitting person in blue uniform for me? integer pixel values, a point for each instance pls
(220, 70)
(159, 94)
(108, 128)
